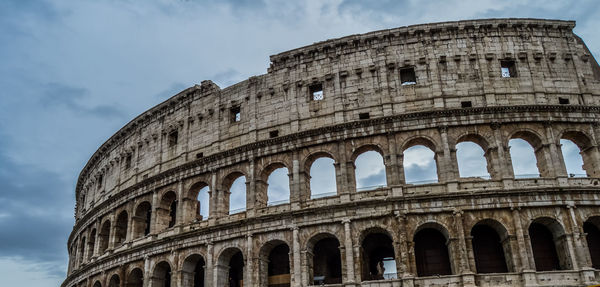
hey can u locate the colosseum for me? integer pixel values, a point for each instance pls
(155, 203)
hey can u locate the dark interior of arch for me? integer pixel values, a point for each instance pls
(279, 266)
(327, 262)
(376, 247)
(431, 253)
(172, 213)
(488, 251)
(91, 244)
(114, 281)
(135, 278)
(144, 216)
(544, 249)
(236, 270)
(199, 273)
(104, 234)
(162, 275)
(121, 228)
(593, 241)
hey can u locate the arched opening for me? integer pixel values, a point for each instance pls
(167, 213)
(193, 271)
(80, 255)
(230, 268)
(580, 154)
(97, 284)
(572, 157)
(275, 264)
(549, 246)
(142, 219)
(203, 203)
(197, 205)
(91, 244)
(326, 261)
(431, 253)
(162, 275)
(419, 162)
(115, 281)
(527, 155)
(590, 227)
(378, 257)
(135, 278)
(488, 250)
(369, 171)
(104, 236)
(237, 195)
(278, 187)
(322, 177)
(121, 228)
(472, 160)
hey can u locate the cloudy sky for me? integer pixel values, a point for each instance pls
(73, 72)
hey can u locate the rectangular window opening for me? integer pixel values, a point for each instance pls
(200, 155)
(173, 137)
(563, 101)
(364, 116)
(316, 92)
(407, 76)
(236, 114)
(100, 180)
(508, 69)
(274, 134)
(466, 104)
(128, 161)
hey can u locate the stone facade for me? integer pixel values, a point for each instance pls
(434, 85)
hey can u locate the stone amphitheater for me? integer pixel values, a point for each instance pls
(139, 220)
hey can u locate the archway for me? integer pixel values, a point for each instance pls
(193, 271)
(91, 244)
(326, 261)
(369, 171)
(275, 264)
(431, 253)
(230, 268)
(167, 213)
(488, 250)
(135, 278)
(572, 158)
(115, 281)
(323, 177)
(104, 236)
(420, 162)
(142, 219)
(378, 260)
(590, 227)
(121, 228)
(237, 195)
(549, 245)
(472, 159)
(278, 187)
(162, 275)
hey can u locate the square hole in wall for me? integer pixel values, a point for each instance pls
(173, 137)
(364, 116)
(128, 161)
(274, 134)
(508, 69)
(407, 76)
(236, 114)
(200, 155)
(316, 92)
(563, 101)
(466, 104)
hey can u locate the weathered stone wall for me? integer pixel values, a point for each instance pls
(554, 94)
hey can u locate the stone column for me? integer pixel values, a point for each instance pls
(461, 246)
(296, 187)
(393, 162)
(555, 163)
(579, 240)
(522, 249)
(209, 267)
(505, 170)
(447, 165)
(341, 170)
(296, 266)
(251, 189)
(249, 272)
(154, 216)
(179, 216)
(213, 210)
(349, 254)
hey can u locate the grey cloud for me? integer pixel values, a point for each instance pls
(60, 95)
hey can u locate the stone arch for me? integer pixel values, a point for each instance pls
(274, 263)
(232, 178)
(115, 281)
(535, 141)
(91, 244)
(431, 250)
(488, 154)
(162, 275)
(409, 146)
(104, 236)
(166, 213)
(193, 207)
(491, 247)
(97, 284)
(587, 150)
(324, 259)
(142, 219)
(377, 255)
(193, 271)
(81, 251)
(591, 228)
(135, 278)
(230, 267)
(358, 167)
(265, 192)
(549, 244)
(121, 224)
(309, 164)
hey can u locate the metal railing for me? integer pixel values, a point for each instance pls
(578, 175)
(372, 187)
(321, 195)
(278, 202)
(426, 181)
(237, 210)
(527, 175)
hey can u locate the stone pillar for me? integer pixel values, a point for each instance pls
(296, 266)
(154, 216)
(213, 210)
(504, 167)
(251, 189)
(522, 249)
(179, 216)
(403, 254)
(461, 246)
(209, 267)
(555, 163)
(341, 172)
(349, 254)
(393, 163)
(581, 249)
(295, 188)
(249, 272)
(147, 272)
(446, 161)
